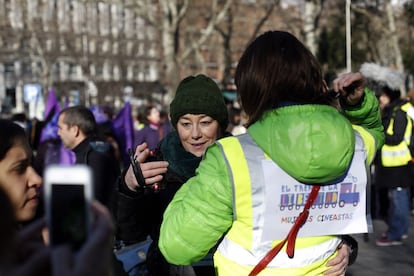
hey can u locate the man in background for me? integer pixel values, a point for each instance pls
(78, 131)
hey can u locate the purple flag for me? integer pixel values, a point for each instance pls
(52, 102)
(51, 114)
(124, 131)
(67, 157)
(100, 116)
(50, 130)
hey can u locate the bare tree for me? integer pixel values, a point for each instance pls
(167, 16)
(382, 21)
(394, 37)
(228, 30)
(44, 42)
(313, 11)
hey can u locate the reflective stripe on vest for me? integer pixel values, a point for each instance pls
(244, 244)
(398, 155)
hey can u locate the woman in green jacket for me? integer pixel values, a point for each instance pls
(294, 133)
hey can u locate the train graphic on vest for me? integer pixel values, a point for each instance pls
(346, 194)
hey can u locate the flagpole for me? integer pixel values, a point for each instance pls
(348, 35)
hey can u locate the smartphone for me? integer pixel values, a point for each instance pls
(136, 169)
(68, 195)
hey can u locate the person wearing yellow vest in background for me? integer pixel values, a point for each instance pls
(299, 134)
(410, 112)
(393, 164)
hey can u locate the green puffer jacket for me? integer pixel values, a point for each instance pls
(313, 143)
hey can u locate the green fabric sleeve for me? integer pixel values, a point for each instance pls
(200, 212)
(367, 115)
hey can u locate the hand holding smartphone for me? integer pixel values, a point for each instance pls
(136, 169)
(68, 195)
(154, 156)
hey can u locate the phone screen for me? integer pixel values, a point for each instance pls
(68, 215)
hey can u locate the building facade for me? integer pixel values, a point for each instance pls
(89, 51)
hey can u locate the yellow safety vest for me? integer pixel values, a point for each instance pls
(243, 246)
(398, 155)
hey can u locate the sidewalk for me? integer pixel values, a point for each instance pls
(373, 260)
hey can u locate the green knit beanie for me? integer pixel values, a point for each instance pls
(199, 95)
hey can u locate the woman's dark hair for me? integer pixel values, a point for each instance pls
(10, 135)
(8, 228)
(277, 67)
(393, 94)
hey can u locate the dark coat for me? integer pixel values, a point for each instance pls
(151, 134)
(139, 214)
(100, 157)
(393, 177)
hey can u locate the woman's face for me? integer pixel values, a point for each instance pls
(384, 100)
(20, 181)
(197, 132)
(154, 116)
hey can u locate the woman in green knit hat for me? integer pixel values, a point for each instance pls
(199, 116)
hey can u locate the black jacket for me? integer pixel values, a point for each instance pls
(139, 214)
(393, 177)
(100, 157)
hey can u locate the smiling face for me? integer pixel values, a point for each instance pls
(20, 181)
(197, 132)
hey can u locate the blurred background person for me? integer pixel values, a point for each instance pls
(78, 132)
(152, 132)
(410, 112)
(393, 174)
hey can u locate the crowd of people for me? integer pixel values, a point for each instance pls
(204, 181)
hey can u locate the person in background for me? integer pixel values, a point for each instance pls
(138, 119)
(294, 131)
(165, 122)
(240, 129)
(152, 132)
(392, 172)
(234, 118)
(410, 112)
(78, 132)
(393, 168)
(237, 121)
(23, 252)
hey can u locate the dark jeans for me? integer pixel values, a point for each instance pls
(399, 215)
